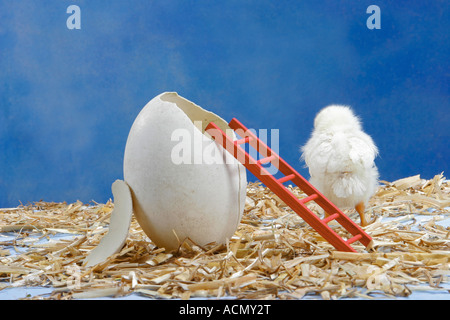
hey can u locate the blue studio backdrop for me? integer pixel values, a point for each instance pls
(74, 75)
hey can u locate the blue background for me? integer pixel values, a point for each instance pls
(69, 97)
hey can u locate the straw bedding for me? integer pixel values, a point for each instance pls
(274, 254)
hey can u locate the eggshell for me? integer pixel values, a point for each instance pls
(202, 199)
(119, 225)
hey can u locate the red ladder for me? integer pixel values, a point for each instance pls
(277, 187)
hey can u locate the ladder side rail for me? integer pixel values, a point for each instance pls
(279, 189)
(286, 169)
(261, 147)
(328, 206)
(282, 165)
(304, 184)
(331, 208)
(255, 142)
(299, 208)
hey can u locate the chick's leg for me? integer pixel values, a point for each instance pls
(360, 207)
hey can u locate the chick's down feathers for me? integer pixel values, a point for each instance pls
(340, 158)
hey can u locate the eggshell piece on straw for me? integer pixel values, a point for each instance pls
(119, 225)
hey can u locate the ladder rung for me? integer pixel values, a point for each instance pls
(354, 239)
(286, 178)
(310, 198)
(243, 140)
(267, 159)
(329, 218)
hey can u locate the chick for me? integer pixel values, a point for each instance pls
(340, 158)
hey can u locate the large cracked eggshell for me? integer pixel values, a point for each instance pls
(202, 200)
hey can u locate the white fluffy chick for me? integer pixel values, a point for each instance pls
(340, 158)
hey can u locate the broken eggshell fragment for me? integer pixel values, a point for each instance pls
(183, 184)
(119, 225)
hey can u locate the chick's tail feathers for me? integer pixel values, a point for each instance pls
(348, 184)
